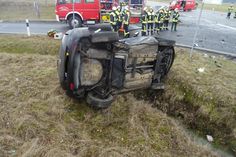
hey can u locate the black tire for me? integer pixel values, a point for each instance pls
(77, 20)
(168, 59)
(61, 67)
(165, 42)
(103, 27)
(99, 103)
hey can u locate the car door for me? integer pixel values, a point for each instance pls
(90, 10)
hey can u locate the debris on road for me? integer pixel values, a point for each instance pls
(201, 70)
(52, 32)
(58, 36)
(205, 55)
(222, 41)
(218, 64)
(209, 138)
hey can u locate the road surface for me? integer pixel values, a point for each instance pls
(216, 32)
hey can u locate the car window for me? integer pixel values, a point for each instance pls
(76, 1)
(68, 1)
(89, 1)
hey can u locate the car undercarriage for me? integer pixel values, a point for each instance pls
(94, 63)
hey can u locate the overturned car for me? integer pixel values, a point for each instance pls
(95, 64)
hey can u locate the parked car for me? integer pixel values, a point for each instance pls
(94, 64)
(185, 5)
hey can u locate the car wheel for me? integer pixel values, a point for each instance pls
(75, 22)
(168, 59)
(98, 103)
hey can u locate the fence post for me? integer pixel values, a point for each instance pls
(27, 27)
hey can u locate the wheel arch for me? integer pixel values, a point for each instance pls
(68, 15)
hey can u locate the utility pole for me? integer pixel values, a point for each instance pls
(196, 31)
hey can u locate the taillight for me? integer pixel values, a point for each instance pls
(72, 86)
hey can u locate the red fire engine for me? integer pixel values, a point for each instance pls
(94, 11)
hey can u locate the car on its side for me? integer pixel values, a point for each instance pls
(95, 64)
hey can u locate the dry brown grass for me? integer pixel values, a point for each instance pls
(205, 101)
(38, 119)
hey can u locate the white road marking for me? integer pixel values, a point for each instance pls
(232, 28)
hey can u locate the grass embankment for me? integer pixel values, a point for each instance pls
(217, 7)
(23, 44)
(208, 99)
(205, 101)
(38, 119)
(24, 9)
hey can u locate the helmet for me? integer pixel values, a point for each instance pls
(118, 8)
(51, 32)
(113, 8)
(145, 9)
(150, 9)
(126, 8)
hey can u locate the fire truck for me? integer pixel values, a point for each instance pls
(89, 12)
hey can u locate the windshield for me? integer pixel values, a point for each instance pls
(67, 1)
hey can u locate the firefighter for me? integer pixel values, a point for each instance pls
(167, 18)
(150, 23)
(119, 17)
(175, 19)
(161, 18)
(126, 22)
(113, 19)
(144, 22)
(157, 22)
(230, 9)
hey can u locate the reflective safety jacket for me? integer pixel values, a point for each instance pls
(167, 15)
(230, 9)
(161, 16)
(144, 17)
(175, 17)
(126, 17)
(119, 15)
(113, 18)
(150, 17)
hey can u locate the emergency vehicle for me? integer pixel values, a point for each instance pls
(185, 5)
(94, 11)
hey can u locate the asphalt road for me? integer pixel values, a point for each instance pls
(215, 31)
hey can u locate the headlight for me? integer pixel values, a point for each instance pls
(91, 72)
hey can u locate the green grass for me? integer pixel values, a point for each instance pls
(23, 9)
(38, 119)
(24, 44)
(216, 7)
(206, 102)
